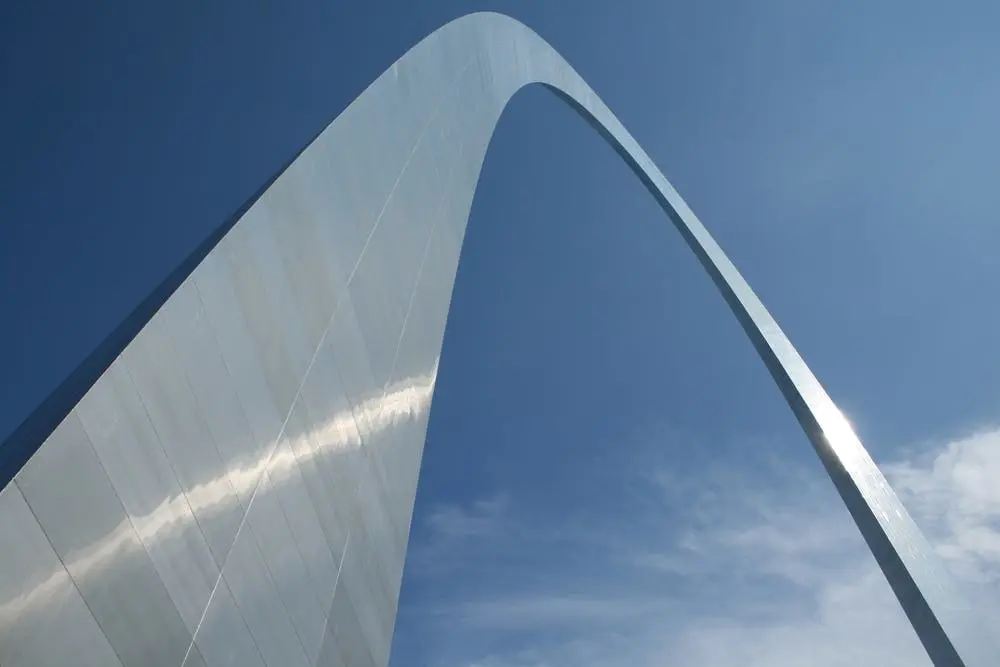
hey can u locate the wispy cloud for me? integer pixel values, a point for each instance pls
(452, 535)
(955, 490)
(481, 519)
(537, 612)
(750, 572)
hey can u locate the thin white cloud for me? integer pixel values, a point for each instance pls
(452, 535)
(538, 612)
(756, 574)
(956, 491)
(478, 520)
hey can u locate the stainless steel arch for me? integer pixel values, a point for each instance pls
(231, 480)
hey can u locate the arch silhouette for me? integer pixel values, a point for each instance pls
(257, 423)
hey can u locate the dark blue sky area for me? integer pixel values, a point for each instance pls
(844, 155)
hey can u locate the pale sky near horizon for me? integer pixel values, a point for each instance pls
(610, 476)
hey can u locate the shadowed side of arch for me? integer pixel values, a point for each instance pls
(233, 472)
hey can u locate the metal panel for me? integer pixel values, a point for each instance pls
(43, 619)
(315, 281)
(213, 388)
(274, 293)
(123, 437)
(75, 504)
(314, 443)
(348, 358)
(224, 638)
(330, 654)
(194, 658)
(319, 568)
(349, 642)
(279, 344)
(281, 554)
(311, 487)
(353, 477)
(386, 275)
(334, 419)
(359, 590)
(261, 604)
(240, 357)
(342, 362)
(156, 370)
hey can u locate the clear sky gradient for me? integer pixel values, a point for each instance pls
(610, 477)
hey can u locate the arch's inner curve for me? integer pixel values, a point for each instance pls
(231, 476)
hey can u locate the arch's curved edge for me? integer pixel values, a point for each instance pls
(237, 484)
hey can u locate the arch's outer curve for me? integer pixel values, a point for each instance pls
(236, 486)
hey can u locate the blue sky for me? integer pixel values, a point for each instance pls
(610, 478)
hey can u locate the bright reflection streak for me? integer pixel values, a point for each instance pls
(405, 400)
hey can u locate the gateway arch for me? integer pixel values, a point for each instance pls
(229, 479)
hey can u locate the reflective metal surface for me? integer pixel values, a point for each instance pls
(235, 483)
